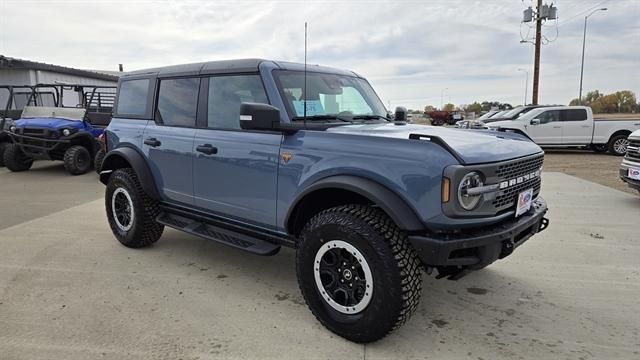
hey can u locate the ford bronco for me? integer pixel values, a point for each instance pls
(260, 154)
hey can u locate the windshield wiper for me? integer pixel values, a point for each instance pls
(370, 117)
(320, 117)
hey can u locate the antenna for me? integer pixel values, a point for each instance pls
(304, 90)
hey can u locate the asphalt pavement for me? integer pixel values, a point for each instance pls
(69, 290)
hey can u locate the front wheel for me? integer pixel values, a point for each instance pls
(15, 159)
(357, 272)
(130, 211)
(3, 146)
(77, 160)
(618, 145)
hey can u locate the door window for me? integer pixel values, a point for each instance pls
(549, 116)
(574, 115)
(178, 102)
(226, 93)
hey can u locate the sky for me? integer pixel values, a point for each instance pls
(414, 53)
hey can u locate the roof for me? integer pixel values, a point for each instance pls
(232, 66)
(10, 63)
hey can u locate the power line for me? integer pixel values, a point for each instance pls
(571, 18)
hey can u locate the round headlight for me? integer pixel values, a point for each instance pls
(471, 180)
(12, 129)
(66, 132)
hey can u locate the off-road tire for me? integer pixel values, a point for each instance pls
(98, 159)
(611, 146)
(395, 268)
(77, 160)
(16, 160)
(144, 230)
(3, 146)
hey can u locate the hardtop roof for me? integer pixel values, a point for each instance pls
(231, 66)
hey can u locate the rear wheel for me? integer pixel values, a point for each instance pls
(77, 160)
(3, 146)
(357, 272)
(618, 145)
(599, 148)
(15, 159)
(130, 211)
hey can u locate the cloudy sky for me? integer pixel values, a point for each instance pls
(409, 50)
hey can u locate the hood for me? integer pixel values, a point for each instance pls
(473, 146)
(497, 124)
(49, 123)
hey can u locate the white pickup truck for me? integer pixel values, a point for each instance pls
(572, 126)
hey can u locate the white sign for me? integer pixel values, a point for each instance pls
(524, 202)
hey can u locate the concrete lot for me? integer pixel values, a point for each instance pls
(68, 290)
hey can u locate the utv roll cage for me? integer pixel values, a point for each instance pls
(98, 100)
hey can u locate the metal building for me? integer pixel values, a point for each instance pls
(24, 72)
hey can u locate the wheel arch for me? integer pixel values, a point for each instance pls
(619, 132)
(127, 157)
(341, 190)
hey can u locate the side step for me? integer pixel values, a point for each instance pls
(212, 232)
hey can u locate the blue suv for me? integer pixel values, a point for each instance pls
(260, 154)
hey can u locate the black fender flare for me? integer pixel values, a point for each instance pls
(128, 157)
(401, 213)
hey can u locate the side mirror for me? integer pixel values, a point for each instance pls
(255, 116)
(401, 114)
(535, 122)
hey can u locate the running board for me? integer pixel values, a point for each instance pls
(212, 232)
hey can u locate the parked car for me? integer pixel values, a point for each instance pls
(55, 132)
(235, 152)
(572, 126)
(439, 118)
(630, 167)
(513, 113)
(488, 114)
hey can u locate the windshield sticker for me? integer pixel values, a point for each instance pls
(314, 107)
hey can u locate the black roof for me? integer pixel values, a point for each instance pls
(230, 66)
(9, 63)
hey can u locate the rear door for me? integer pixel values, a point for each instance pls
(168, 142)
(549, 130)
(576, 126)
(235, 171)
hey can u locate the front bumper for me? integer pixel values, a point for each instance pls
(624, 171)
(474, 249)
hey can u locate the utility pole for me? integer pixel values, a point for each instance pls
(442, 98)
(526, 85)
(536, 64)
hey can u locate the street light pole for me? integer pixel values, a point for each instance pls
(526, 85)
(584, 38)
(442, 97)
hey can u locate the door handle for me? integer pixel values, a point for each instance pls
(207, 149)
(586, 126)
(153, 142)
(557, 127)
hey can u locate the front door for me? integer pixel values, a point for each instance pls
(235, 171)
(548, 130)
(168, 142)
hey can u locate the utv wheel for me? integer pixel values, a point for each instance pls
(3, 146)
(618, 145)
(77, 160)
(357, 272)
(130, 211)
(98, 159)
(16, 160)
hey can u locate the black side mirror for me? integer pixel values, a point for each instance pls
(401, 114)
(255, 116)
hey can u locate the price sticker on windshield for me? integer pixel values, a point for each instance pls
(524, 202)
(314, 107)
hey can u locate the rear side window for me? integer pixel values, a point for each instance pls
(132, 97)
(226, 93)
(574, 115)
(178, 102)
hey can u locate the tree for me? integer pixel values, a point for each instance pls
(448, 107)
(626, 101)
(429, 108)
(476, 107)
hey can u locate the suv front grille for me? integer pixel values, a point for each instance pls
(507, 198)
(633, 150)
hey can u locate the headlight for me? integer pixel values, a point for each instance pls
(471, 180)
(66, 132)
(12, 128)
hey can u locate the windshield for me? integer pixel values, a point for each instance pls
(76, 114)
(328, 96)
(513, 112)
